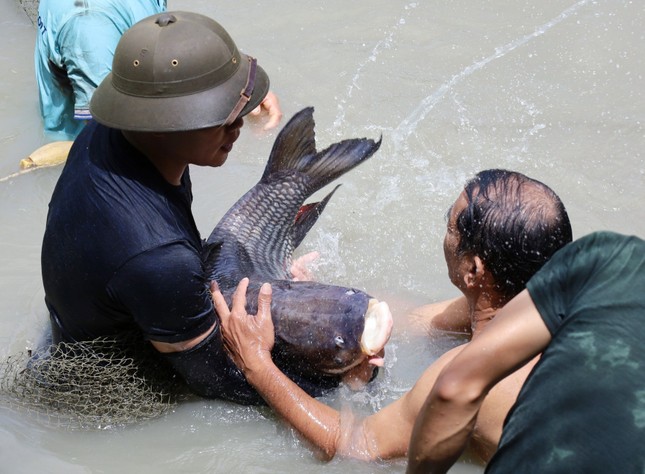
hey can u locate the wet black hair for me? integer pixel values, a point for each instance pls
(514, 224)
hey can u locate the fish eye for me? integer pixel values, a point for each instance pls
(339, 341)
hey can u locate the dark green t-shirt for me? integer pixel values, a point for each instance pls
(582, 409)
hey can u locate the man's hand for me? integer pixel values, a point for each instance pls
(247, 338)
(270, 105)
(300, 270)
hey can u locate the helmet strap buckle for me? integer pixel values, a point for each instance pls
(245, 93)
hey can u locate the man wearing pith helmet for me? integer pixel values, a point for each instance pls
(121, 251)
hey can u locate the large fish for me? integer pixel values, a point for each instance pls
(321, 330)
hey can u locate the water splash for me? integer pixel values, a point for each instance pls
(382, 45)
(410, 123)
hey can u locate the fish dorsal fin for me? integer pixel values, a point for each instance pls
(210, 251)
(307, 217)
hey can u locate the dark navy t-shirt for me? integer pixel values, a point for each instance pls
(121, 250)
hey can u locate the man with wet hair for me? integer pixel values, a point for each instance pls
(523, 214)
(582, 408)
(513, 238)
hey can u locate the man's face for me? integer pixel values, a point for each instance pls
(211, 146)
(457, 264)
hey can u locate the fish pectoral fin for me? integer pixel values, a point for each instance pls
(307, 217)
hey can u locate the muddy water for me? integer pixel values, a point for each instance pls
(554, 89)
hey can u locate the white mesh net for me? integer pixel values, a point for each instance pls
(89, 385)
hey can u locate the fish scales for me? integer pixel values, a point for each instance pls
(318, 326)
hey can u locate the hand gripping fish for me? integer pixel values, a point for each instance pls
(322, 330)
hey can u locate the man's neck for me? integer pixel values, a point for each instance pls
(159, 149)
(483, 309)
(480, 318)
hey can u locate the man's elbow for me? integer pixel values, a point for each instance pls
(325, 454)
(455, 389)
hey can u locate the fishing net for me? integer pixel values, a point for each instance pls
(91, 385)
(31, 9)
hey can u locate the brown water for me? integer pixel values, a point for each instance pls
(554, 89)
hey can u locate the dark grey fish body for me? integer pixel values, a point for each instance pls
(318, 327)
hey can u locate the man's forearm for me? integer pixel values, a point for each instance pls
(438, 441)
(446, 421)
(317, 422)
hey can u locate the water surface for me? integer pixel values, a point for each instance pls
(554, 89)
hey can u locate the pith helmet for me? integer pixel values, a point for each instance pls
(177, 71)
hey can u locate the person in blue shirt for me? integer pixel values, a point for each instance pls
(74, 50)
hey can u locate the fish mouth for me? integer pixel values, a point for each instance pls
(376, 334)
(378, 329)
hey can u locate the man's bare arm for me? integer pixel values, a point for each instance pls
(450, 315)
(167, 347)
(448, 416)
(249, 340)
(271, 106)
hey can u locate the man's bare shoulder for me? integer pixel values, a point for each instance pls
(494, 409)
(414, 399)
(451, 315)
(428, 378)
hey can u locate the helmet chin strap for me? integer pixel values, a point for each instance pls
(245, 93)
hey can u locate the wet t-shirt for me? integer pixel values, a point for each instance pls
(582, 409)
(121, 250)
(121, 253)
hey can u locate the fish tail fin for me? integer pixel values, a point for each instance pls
(338, 159)
(295, 149)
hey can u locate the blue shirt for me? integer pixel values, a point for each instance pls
(74, 49)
